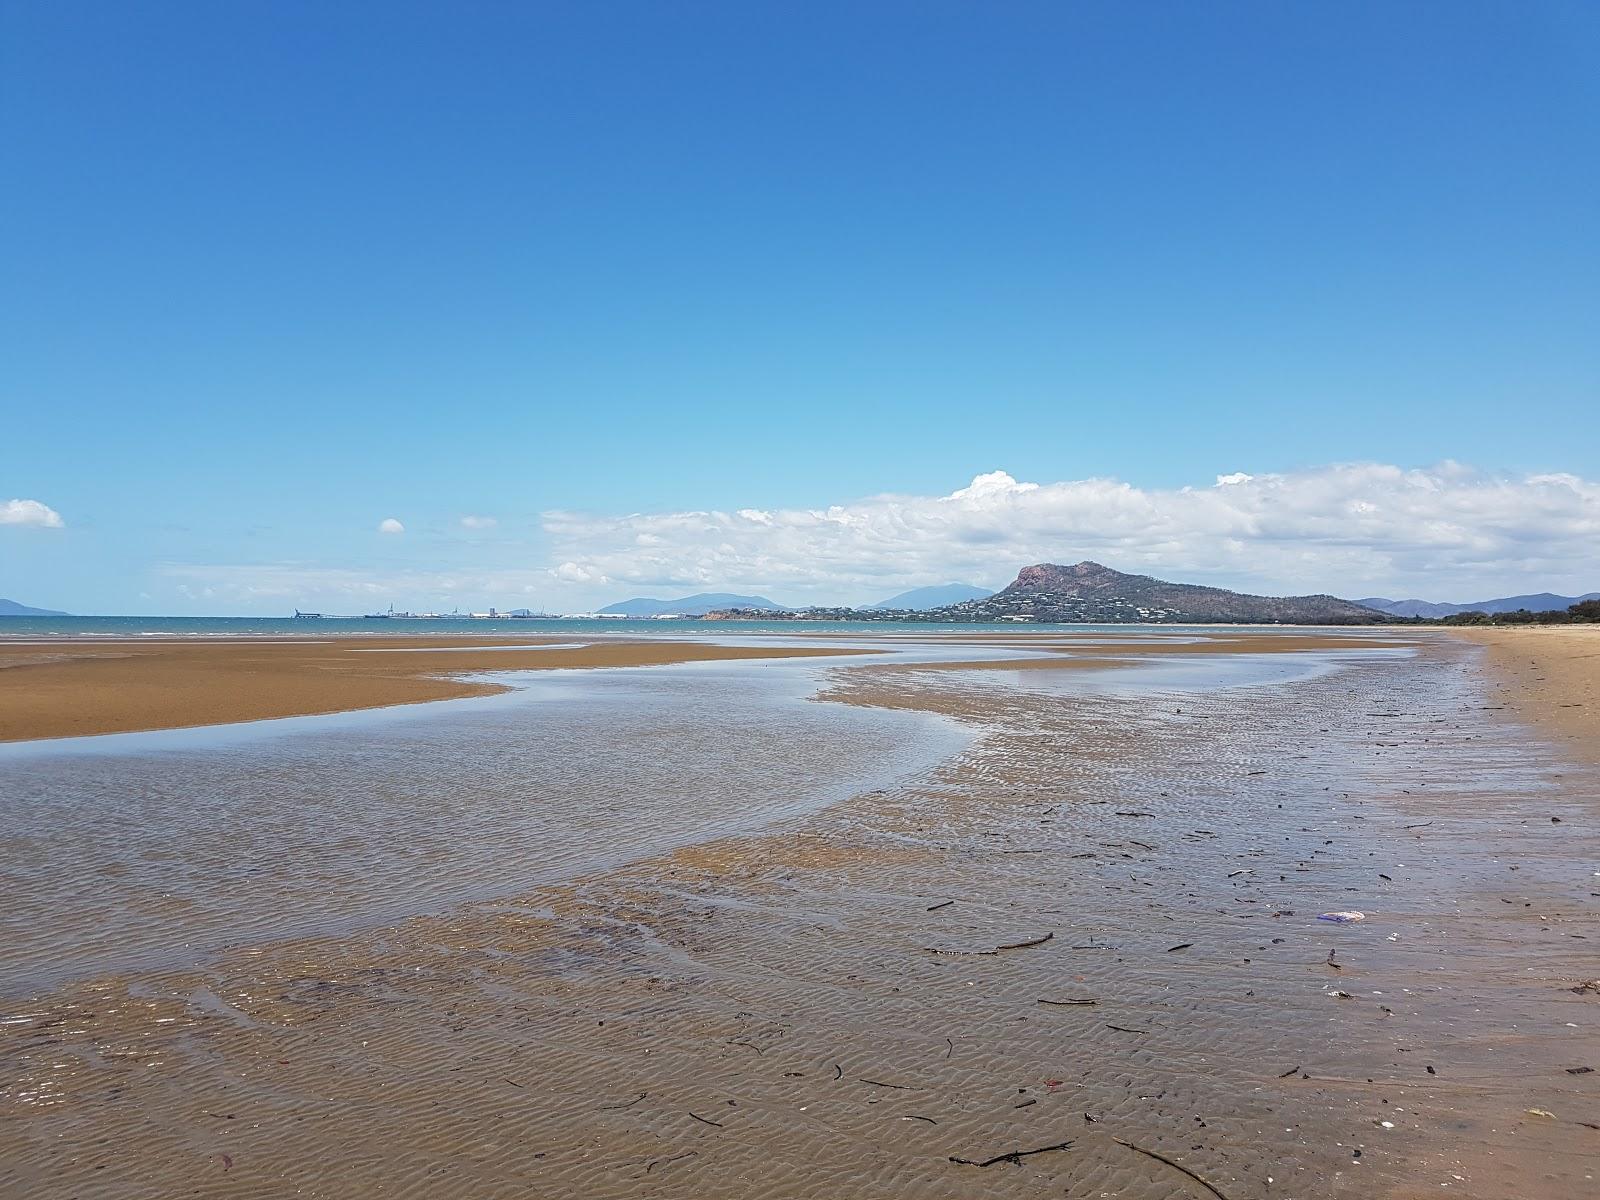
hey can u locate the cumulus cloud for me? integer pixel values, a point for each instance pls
(30, 512)
(390, 525)
(1447, 532)
(478, 522)
(571, 572)
(1361, 528)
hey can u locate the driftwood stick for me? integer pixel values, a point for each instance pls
(1038, 941)
(1162, 1158)
(675, 1158)
(1011, 1156)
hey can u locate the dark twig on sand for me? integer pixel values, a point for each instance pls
(1010, 1157)
(1038, 941)
(704, 1120)
(1125, 1029)
(661, 1162)
(937, 907)
(1162, 1158)
(915, 1117)
(629, 1104)
(899, 1087)
(1069, 1003)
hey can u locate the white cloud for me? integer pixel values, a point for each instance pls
(995, 483)
(390, 525)
(30, 512)
(570, 572)
(478, 522)
(1446, 531)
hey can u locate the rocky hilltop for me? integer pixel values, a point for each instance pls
(1089, 592)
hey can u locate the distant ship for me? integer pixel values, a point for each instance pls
(303, 616)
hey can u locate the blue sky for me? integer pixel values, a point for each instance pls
(274, 273)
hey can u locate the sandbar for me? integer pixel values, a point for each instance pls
(81, 688)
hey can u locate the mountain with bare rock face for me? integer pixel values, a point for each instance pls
(1089, 592)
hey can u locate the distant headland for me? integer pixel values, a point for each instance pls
(1089, 592)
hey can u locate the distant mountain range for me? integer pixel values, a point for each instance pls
(10, 608)
(687, 606)
(1537, 602)
(937, 596)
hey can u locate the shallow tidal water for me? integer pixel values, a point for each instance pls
(152, 850)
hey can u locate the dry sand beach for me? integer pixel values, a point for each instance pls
(1080, 957)
(1550, 677)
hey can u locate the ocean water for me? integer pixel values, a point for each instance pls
(123, 627)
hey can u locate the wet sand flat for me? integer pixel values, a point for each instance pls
(1081, 958)
(82, 688)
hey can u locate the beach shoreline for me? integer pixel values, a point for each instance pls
(1091, 940)
(1548, 676)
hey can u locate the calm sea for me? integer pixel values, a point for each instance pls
(419, 627)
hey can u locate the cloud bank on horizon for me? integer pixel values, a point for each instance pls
(1341, 528)
(1444, 532)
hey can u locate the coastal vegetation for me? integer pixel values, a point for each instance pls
(1584, 612)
